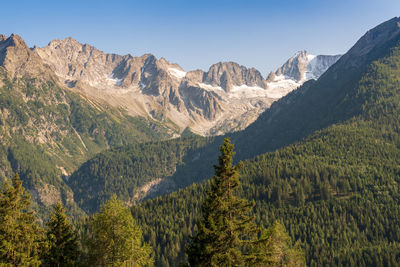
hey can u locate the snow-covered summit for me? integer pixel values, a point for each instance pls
(298, 69)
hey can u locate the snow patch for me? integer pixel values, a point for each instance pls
(245, 91)
(281, 86)
(210, 87)
(177, 73)
(114, 81)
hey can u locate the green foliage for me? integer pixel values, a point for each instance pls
(123, 170)
(225, 227)
(336, 191)
(275, 249)
(19, 235)
(61, 240)
(116, 239)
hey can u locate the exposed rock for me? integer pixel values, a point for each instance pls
(228, 97)
(19, 60)
(228, 74)
(48, 195)
(298, 69)
(304, 66)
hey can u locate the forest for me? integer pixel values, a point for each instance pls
(227, 232)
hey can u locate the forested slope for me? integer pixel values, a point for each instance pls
(334, 98)
(337, 191)
(131, 171)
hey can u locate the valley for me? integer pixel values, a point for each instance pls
(313, 148)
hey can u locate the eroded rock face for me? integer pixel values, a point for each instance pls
(19, 60)
(228, 97)
(229, 74)
(304, 66)
(155, 88)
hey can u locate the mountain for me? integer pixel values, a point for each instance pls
(335, 186)
(47, 131)
(315, 105)
(228, 97)
(64, 103)
(300, 68)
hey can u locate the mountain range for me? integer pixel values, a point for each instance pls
(226, 98)
(65, 102)
(319, 137)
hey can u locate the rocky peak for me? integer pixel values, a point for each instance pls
(303, 66)
(296, 66)
(2, 37)
(20, 60)
(73, 61)
(229, 74)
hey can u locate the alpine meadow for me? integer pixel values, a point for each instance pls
(113, 159)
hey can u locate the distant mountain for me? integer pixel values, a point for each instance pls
(298, 69)
(228, 97)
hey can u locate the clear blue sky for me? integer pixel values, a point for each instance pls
(196, 34)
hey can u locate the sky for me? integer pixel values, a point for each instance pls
(196, 34)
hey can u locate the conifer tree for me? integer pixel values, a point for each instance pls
(116, 239)
(19, 234)
(61, 240)
(275, 249)
(225, 229)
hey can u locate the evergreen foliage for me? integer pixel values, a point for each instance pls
(225, 228)
(115, 238)
(123, 170)
(19, 234)
(274, 249)
(337, 191)
(61, 240)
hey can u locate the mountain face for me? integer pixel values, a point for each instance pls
(19, 60)
(342, 167)
(317, 104)
(47, 131)
(304, 66)
(332, 99)
(298, 69)
(228, 97)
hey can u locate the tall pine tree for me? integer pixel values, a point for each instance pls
(62, 242)
(19, 234)
(225, 231)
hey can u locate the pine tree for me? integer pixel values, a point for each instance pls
(62, 242)
(19, 234)
(275, 249)
(225, 230)
(116, 239)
